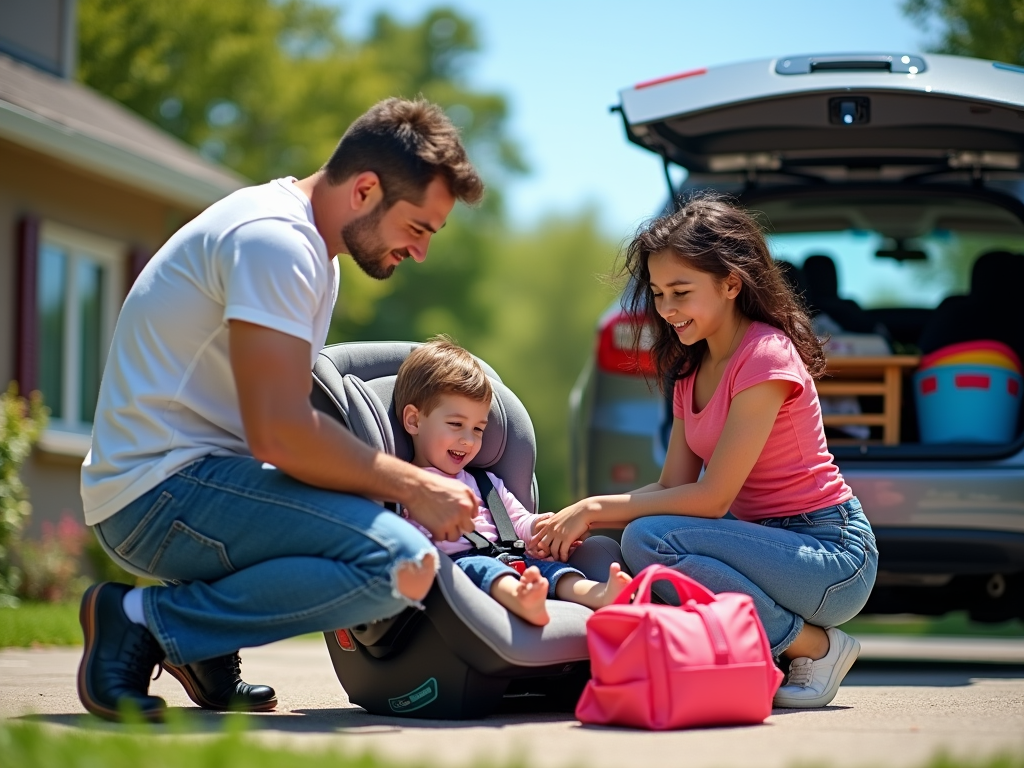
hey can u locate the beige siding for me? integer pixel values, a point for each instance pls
(34, 184)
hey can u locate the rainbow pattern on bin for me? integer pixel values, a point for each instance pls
(969, 392)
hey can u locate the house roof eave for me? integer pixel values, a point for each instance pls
(49, 137)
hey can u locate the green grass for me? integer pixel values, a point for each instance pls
(28, 745)
(40, 624)
(955, 624)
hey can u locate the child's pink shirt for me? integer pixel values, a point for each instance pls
(795, 472)
(522, 520)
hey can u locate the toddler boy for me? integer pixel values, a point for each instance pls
(443, 398)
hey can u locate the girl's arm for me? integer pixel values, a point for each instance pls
(681, 466)
(752, 415)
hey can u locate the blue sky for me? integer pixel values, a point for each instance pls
(561, 64)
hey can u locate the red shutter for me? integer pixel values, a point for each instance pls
(26, 363)
(137, 259)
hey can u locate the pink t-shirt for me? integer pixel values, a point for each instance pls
(795, 472)
(522, 520)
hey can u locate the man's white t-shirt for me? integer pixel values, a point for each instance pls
(168, 394)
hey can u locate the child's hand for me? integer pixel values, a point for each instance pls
(531, 550)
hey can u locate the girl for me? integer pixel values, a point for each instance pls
(739, 346)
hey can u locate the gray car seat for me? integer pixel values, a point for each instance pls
(822, 295)
(464, 656)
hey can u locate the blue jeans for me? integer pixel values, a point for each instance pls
(817, 567)
(257, 556)
(483, 570)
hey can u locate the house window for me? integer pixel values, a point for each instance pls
(79, 290)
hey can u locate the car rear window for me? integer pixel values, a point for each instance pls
(892, 250)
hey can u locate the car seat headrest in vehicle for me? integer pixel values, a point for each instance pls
(997, 274)
(821, 277)
(793, 276)
(992, 310)
(363, 397)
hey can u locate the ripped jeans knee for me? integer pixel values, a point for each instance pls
(413, 578)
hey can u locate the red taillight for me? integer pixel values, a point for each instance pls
(623, 473)
(670, 78)
(615, 352)
(345, 640)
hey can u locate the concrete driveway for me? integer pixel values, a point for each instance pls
(889, 713)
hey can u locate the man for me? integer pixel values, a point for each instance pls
(209, 468)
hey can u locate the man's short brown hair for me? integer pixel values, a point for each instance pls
(439, 367)
(407, 144)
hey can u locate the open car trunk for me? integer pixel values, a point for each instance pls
(813, 116)
(904, 169)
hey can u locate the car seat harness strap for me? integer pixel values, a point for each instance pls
(509, 547)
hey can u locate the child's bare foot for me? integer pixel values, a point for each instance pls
(532, 593)
(617, 581)
(593, 594)
(525, 597)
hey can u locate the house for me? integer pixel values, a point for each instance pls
(88, 192)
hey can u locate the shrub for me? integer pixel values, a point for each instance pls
(102, 567)
(21, 422)
(50, 567)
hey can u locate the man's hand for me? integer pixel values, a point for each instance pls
(444, 506)
(281, 427)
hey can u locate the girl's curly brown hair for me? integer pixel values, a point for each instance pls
(711, 233)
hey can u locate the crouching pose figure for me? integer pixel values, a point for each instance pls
(739, 349)
(211, 471)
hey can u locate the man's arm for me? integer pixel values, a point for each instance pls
(273, 380)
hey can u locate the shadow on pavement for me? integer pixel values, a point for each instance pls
(941, 674)
(192, 721)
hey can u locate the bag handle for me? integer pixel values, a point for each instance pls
(714, 627)
(638, 591)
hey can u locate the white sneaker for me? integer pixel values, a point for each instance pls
(815, 683)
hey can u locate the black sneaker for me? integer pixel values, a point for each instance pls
(118, 659)
(217, 684)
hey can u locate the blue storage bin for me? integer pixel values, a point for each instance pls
(967, 403)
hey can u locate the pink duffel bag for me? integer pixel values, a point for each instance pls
(705, 662)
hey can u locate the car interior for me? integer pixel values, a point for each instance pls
(922, 269)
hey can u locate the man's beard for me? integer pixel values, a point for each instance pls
(366, 246)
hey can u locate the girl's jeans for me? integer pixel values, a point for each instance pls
(817, 567)
(256, 556)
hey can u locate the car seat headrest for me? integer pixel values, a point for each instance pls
(996, 273)
(793, 276)
(821, 277)
(359, 380)
(374, 412)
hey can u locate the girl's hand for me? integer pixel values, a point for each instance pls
(553, 536)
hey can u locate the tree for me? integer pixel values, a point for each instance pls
(543, 295)
(267, 87)
(987, 29)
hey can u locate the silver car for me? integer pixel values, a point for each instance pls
(881, 180)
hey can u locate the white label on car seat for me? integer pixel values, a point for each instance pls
(417, 699)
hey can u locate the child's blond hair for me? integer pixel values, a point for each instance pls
(439, 367)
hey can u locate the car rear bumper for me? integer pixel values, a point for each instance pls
(949, 551)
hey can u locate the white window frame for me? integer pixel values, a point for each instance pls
(69, 435)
